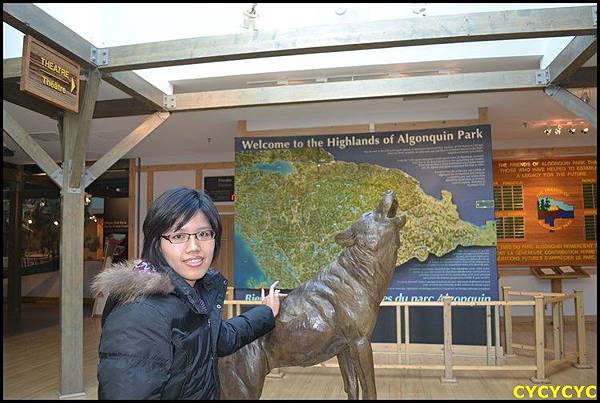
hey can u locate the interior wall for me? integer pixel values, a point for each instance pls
(46, 284)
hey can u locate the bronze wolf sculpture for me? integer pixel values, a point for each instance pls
(331, 315)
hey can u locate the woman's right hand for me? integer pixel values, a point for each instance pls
(272, 299)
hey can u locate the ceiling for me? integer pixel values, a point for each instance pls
(517, 118)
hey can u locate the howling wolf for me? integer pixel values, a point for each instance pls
(331, 315)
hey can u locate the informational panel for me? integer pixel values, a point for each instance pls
(546, 211)
(48, 75)
(294, 194)
(220, 188)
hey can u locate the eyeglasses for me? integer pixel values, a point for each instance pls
(182, 237)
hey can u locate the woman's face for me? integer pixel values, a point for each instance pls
(191, 259)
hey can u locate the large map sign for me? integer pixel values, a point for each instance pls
(546, 211)
(294, 194)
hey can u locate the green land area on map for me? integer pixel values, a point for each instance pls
(291, 203)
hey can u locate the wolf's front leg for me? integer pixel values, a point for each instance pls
(348, 374)
(362, 358)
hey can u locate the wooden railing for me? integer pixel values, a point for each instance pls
(495, 354)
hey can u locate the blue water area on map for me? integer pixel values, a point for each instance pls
(246, 267)
(282, 167)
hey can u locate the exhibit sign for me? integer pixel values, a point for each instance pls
(546, 211)
(220, 188)
(48, 75)
(294, 194)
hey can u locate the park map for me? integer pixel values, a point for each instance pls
(291, 203)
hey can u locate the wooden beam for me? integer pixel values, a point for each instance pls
(121, 107)
(343, 91)
(12, 93)
(86, 110)
(584, 77)
(32, 148)
(364, 128)
(488, 26)
(571, 58)
(32, 20)
(15, 249)
(103, 109)
(11, 68)
(125, 145)
(71, 273)
(573, 104)
(134, 85)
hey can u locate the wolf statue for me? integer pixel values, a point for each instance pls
(331, 315)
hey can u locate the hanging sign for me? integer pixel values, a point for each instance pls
(48, 75)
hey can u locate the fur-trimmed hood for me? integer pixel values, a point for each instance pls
(127, 281)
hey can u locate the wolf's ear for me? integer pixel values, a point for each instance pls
(345, 238)
(401, 221)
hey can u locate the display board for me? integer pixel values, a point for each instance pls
(293, 194)
(546, 211)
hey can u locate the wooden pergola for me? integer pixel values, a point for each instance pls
(115, 65)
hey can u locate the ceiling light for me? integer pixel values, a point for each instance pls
(340, 10)
(547, 131)
(250, 15)
(585, 130)
(56, 223)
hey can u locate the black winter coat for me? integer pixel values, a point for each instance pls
(161, 337)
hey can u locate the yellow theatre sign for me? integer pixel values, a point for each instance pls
(48, 75)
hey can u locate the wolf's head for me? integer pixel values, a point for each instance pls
(377, 229)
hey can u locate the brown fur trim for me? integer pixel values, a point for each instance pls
(126, 284)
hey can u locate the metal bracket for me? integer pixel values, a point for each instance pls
(99, 56)
(542, 77)
(57, 177)
(552, 90)
(88, 178)
(73, 190)
(169, 101)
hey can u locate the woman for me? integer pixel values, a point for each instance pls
(161, 327)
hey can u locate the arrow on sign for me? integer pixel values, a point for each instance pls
(72, 85)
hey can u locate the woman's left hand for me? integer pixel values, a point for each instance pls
(272, 299)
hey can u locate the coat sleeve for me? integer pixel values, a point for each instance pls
(236, 332)
(135, 353)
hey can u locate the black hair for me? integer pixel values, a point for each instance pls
(173, 209)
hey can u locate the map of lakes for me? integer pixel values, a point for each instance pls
(291, 203)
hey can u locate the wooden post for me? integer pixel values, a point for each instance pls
(508, 348)
(556, 330)
(398, 334)
(540, 374)
(580, 319)
(561, 324)
(497, 334)
(71, 270)
(131, 218)
(447, 309)
(488, 334)
(15, 250)
(229, 297)
(406, 333)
